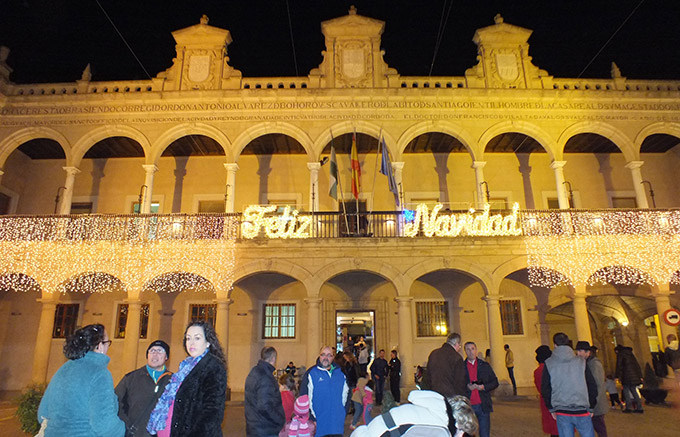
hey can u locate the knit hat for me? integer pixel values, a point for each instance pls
(302, 405)
(543, 352)
(162, 344)
(582, 346)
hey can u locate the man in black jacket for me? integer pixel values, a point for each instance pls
(140, 389)
(481, 382)
(446, 368)
(263, 407)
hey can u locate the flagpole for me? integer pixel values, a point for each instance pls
(342, 200)
(354, 144)
(375, 170)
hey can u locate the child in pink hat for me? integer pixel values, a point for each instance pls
(300, 426)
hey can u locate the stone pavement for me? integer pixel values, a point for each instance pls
(511, 417)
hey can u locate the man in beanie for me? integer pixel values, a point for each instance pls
(587, 352)
(139, 390)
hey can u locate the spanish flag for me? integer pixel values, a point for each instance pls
(356, 168)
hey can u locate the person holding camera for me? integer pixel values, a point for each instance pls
(481, 382)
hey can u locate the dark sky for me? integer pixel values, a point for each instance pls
(53, 40)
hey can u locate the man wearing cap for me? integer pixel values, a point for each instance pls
(587, 353)
(139, 390)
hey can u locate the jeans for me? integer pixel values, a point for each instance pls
(631, 395)
(367, 413)
(358, 408)
(484, 420)
(379, 388)
(511, 374)
(582, 424)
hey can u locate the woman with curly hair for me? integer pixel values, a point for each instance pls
(79, 401)
(194, 399)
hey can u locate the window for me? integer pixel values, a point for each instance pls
(433, 319)
(121, 320)
(65, 319)
(511, 317)
(154, 207)
(215, 206)
(203, 312)
(554, 203)
(278, 321)
(498, 202)
(624, 202)
(81, 207)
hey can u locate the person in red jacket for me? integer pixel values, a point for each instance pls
(543, 352)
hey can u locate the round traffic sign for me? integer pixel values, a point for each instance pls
(672, 317)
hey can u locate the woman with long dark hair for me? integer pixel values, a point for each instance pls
(79, 401)
(194, 399)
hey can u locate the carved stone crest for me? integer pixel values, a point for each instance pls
(352, 64)
(506, 66)
(199, 68)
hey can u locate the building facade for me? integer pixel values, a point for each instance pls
(187, 153)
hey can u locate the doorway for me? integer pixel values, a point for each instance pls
(354, 327)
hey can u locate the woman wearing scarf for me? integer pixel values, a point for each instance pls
(194, 399)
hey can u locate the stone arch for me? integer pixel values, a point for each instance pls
(191, 267)
(621, 140)
(511, 266)
(358, 126)
(14, 140)
(453, 129)
(661, 127)
(182, 130)
(432, 265)
(261, 129)
(92, 137)
(522, 127)
(386, 271)
(271, 265)
(74, 277)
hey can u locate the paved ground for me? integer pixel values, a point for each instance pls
(520, 417)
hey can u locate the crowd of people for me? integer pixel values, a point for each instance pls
(455, 396)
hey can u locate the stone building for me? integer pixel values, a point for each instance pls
(183, 156)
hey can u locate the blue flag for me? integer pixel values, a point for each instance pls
(386, 169)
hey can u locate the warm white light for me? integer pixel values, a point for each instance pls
(470, 223)
(624, 322)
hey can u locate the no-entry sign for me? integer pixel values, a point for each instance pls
(672, 317)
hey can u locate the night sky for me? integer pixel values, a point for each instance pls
(53, 40)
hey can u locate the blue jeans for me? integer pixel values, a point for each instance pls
(484, 420)
(358, 409)
(582, 424)
(367, 413)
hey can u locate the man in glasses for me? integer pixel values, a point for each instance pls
(139, 390)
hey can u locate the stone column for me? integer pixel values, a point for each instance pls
(43, 341)
(313, 328)
(496, 334)
(131, 341)
(479, 178)
(398, 171)
(313, 185)
(67, 194)
(404, 304)
(231, 186)
(581, 319)
(222, 322)
(663, 304)
(149, 170)
(562, 198)
(640, 195)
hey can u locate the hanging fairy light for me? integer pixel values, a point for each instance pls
(97, 253)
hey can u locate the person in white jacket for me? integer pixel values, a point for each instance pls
(426, 409)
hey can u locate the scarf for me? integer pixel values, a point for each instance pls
(159, 415)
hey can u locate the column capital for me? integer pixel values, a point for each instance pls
(478, 164)
(224, 300)
(634, 164)
(150, 168)
(557, 164)
(662, 289)
(490, 299)
(313, 166)
(71, 170)
(398, 165)
(231, 166)
(403, 300)
(133, 301)
(579, 296)
(313, 301)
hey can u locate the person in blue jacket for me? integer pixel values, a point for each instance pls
(328, 393)
(80, 401)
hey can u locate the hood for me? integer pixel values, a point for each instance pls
(562, 353)
(431, 400)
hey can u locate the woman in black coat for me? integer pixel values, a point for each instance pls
(194, 400)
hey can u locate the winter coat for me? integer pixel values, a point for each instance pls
(137, 395)
(358, 392)
(549, 423)
(426, 408)
(328, 393)
(80, 402)
(352, 372)
(627, 368)
(567, 385)
(394, 368)
(379, 368)
(595, 367)
(486, 377)
(446, 373)
(199, 405)
(262, 404)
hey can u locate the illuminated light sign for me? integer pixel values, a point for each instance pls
(287, 225)
(471, 223)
